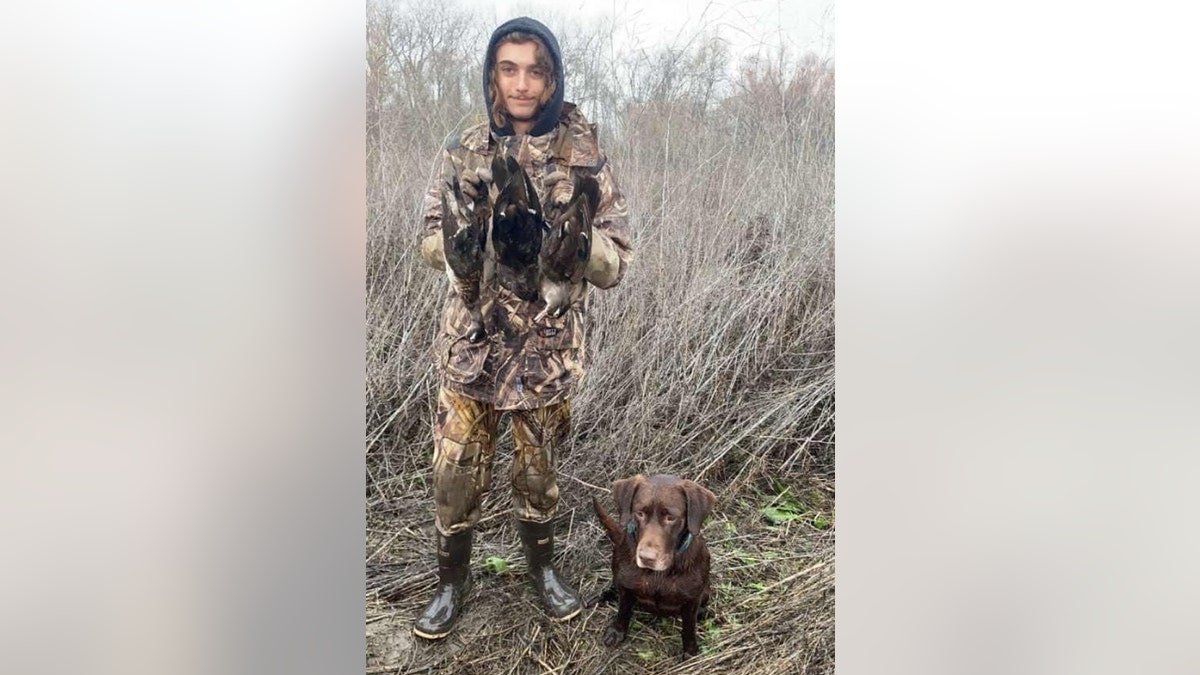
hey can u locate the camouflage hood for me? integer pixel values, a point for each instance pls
(549, 116)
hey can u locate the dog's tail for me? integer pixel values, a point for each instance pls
(610, 526)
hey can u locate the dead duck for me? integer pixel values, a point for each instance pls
(517, 228)
(464, 241)
(566, 246)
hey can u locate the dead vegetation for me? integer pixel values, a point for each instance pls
(713, 359)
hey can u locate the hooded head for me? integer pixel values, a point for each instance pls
(548, 116)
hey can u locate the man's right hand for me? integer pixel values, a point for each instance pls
(474, 185)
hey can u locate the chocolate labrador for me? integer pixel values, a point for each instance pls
(660, 561)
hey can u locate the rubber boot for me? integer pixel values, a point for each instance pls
(558, 597)
(454, 582)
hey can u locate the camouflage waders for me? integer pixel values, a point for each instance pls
(464, 434)
(464, 448)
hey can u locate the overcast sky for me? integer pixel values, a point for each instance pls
(748, 25)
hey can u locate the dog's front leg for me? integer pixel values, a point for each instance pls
(690, 646)
(620, 625)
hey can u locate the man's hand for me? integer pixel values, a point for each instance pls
(474, 185)
(559, 189)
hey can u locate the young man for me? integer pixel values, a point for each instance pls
(527, 362)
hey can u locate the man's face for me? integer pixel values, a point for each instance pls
(520, 80)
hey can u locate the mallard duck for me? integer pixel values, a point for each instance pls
(517, 228)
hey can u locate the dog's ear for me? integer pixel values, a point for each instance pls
(700, 502)
(623, 492)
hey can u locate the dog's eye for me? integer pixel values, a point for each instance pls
(641, 515)
(669, 518)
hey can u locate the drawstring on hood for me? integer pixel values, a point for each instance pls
(548, 117)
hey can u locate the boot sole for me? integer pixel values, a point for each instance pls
(430, 636)
(572, 615)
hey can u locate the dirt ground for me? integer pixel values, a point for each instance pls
(772, 609)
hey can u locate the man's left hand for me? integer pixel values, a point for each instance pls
(559, 189)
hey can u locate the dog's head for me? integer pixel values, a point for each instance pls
(663, 514)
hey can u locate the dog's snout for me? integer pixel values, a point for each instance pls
(650, 558)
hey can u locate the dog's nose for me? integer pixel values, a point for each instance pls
(647, 561)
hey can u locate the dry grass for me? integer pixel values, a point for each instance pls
(713, 359)
(773, 600)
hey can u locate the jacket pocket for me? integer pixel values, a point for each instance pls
(554, 355)
(459, 359)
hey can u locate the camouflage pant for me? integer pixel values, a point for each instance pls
(464, 444)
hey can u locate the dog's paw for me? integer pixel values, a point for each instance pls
(690, 650)
(613, 636)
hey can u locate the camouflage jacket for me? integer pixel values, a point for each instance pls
(522, 365)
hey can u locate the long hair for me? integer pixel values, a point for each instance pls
(541, 57)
